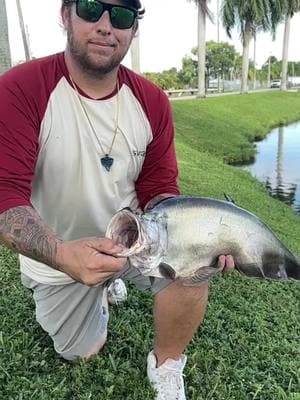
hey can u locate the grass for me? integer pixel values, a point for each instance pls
(227, 126)
(248, 345)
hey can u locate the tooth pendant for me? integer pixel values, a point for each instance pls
(107, 162)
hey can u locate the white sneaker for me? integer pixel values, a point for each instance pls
(116, 292)
(167, 379)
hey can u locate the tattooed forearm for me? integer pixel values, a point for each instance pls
(22, 230)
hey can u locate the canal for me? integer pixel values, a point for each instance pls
(277, 164)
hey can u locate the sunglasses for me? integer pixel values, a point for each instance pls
(121, 17)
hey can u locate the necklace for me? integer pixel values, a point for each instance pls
(106, 161)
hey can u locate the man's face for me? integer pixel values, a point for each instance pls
(97, 47)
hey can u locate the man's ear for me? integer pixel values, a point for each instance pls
(65, 16)
(135, 28)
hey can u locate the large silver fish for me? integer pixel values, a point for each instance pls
(182, 238)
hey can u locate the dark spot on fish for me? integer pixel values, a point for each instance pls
(292, 267)
(273, 265)
(253, 270)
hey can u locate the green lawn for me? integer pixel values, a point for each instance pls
(248, 346)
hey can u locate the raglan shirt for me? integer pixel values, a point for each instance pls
(50, 157)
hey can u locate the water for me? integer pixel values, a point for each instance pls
(277, 164)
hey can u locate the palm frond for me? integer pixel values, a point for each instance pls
(203, 4)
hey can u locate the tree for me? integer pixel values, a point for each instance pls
(203, 12)
(275, 69)
(5, 57)
(292, 6)
(251, 16)
(188, 74)
(220, 58)
(135, 55)
(165, 80)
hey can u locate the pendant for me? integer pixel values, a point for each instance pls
(107, 162)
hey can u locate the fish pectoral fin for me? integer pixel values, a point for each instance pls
(202, 274)
(167, 271)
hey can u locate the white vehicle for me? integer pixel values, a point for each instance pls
(276, 83)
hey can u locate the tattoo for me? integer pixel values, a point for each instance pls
(23, 230)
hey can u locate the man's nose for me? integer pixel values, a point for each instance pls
(104, 24)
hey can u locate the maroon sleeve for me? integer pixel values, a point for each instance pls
(24, 93)
(159, 172)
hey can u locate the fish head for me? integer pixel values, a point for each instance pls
(142, 237)
(125, 230)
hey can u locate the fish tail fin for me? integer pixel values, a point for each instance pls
(292, 267)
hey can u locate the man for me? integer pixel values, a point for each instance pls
(81, 137)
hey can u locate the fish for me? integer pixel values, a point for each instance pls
(182, 237)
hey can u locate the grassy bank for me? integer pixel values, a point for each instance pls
(226, 126)
(248, 346)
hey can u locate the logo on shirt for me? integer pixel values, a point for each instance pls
(139, 153)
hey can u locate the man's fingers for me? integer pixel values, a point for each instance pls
(105, 245)
(108, 263)
(221, 262)
(226, 263)
(102, 279)
(229, 263)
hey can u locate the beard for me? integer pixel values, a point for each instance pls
(95, 66)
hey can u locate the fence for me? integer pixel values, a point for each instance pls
(226, 87)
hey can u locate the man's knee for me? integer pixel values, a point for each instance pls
(185, 294)
(76, 355)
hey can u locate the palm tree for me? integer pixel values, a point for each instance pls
(5, 57)
(251, 16)
(292, 6)
(203, 12)
(135, 55)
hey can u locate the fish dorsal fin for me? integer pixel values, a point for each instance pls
(229, 198)
(202, 274)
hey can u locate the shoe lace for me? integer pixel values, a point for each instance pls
(170, 384)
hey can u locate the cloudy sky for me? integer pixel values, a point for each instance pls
(167, 33)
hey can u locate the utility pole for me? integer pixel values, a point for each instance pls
(218, 37)
(269, 71)
(293, 70)
(218, 21)
(23, 31)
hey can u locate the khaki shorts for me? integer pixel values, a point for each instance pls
(73, 314)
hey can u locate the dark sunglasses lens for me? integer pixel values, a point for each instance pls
(121, 17)
(90, 11)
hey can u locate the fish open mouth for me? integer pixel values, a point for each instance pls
(125, 229)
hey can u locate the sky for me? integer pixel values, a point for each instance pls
(167, 33)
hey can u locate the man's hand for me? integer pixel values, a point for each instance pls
(226, 263)
(90, 261)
